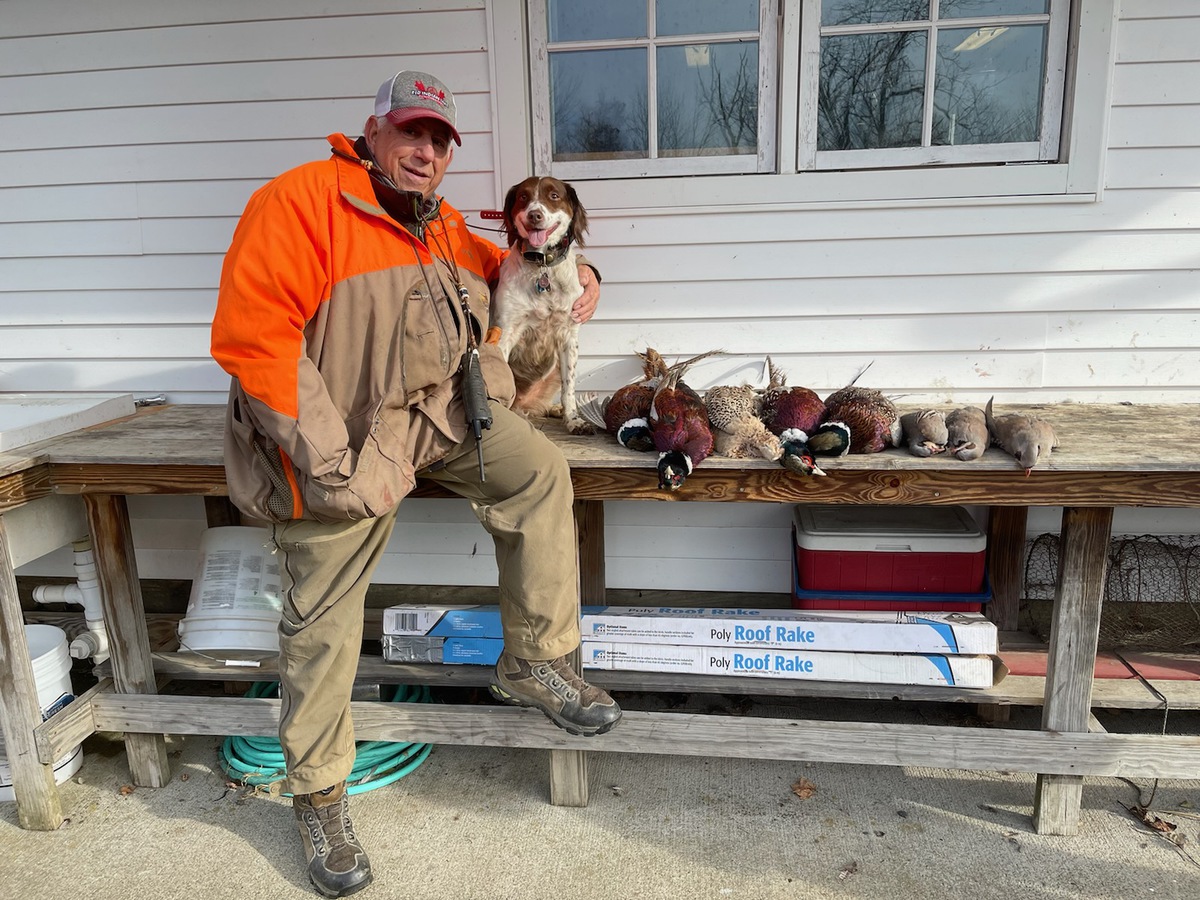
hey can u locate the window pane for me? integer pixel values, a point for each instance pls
(586, 20)
(958, 9)
(988, 85)
(705, 16)
(871, 92)
(856, 12)
(598, 102)
(708, 99)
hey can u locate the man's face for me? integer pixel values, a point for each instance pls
(414, 155)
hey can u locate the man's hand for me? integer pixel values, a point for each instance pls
(585, 306)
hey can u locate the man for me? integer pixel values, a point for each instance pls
(349, 299)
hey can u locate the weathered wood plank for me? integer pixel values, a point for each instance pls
(30, 483)
(1005, 553)
(1090, 436)
(589, 522)
(1074, 632)
(1179, 694)
(1013, 690)
(952, 747)
(125, 617)
(568, 778)
(38, 805)
(754, 483)
(70, 726)
(904, 487)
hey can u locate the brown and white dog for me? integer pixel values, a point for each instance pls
(539, 283)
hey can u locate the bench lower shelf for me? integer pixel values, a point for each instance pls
(751, 737)
(1013, 690)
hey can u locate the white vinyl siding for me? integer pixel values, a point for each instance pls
(132, 134)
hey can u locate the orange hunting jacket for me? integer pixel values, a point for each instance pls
(344, 335)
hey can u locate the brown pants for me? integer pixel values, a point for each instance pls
(525, 505)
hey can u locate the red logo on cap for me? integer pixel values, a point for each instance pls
(420, 89)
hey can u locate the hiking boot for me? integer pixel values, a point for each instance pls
(555, 688)
(337, 863)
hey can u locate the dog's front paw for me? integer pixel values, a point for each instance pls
(577, 425)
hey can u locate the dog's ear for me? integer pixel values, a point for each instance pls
(579, 221)
(509, 225)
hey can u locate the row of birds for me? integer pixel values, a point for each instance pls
(792, 425)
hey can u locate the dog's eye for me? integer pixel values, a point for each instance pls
(554, 195)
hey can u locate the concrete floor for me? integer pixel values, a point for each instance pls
(476, 823)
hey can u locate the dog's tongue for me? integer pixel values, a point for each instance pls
(537, 238)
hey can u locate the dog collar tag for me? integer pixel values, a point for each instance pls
(543, 283)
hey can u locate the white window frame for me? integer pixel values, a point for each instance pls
(1053, 84)
(763, 160)
(1077, 175)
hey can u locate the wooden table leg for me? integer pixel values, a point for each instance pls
(568, 768)
(1005, 559)
(1070, 667)
(1005, 562)
(39, 807)
(125, 619)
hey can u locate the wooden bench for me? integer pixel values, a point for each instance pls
(1105, 461)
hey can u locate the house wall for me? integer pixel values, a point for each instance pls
(132, 134)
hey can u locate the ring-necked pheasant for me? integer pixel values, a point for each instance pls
(625, 414)
(786, 407)
(871, 417)
(679, 424)
(738, 432)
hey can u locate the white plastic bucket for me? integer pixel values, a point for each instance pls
(235, 602)
(52, 676)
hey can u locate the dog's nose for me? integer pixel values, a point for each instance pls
(534, 215)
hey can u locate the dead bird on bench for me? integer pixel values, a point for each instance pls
(734, 411)
(1026, 437)
(679, 424)
(967, 432)
(924, 432)
(626, 414)
(872, 418)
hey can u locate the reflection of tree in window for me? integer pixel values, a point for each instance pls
(871, 90)
(718, 113)
(990, 93)
(599, 127)
(732, 106)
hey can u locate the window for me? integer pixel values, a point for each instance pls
(631, 88)
(919, 82)
(665, 87)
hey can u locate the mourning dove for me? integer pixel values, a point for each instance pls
(967, 432)
(1027, 438)
(924, 431)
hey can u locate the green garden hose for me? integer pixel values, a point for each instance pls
(260, 761)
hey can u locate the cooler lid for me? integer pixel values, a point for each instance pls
(888, 529)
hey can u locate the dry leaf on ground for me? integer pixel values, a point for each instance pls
(804, 789)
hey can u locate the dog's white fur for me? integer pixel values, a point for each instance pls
(538, 337)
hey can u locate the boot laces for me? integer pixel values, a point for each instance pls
(329, 825)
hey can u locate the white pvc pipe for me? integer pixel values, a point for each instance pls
(86, 593)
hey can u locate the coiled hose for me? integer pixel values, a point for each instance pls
(260, 761)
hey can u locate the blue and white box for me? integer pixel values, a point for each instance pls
(796, 629)
(451, 651)
(800, 629)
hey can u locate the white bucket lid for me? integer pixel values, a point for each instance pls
(894, 529)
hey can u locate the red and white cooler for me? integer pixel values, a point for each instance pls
(905, 557)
